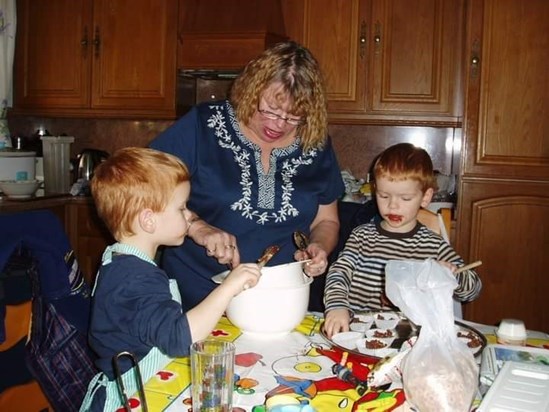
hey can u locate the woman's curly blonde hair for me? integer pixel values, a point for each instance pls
(297, 70)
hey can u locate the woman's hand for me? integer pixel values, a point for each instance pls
(319, 259)
(324, 233)
(218, 244)
(336, 320)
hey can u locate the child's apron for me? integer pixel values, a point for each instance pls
(154, 361)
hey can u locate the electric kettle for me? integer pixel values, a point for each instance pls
(88, 160)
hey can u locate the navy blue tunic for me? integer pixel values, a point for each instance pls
(230, 190)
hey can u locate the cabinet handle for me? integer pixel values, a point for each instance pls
(475, 59)
(377, 37)
(362, 39)
(97, 41)
(84, 41)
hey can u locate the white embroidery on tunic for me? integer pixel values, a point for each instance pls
(266, 181)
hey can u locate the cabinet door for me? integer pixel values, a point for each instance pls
(504, 224)
(134, 55)
(415, 54)
(52, 65)
(507, 120)
(334, 31)
(89, 237)
(387, 61)
(504, 192)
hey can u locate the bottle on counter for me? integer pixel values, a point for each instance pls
(5, 139)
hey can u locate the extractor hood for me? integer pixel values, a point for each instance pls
(224, 35)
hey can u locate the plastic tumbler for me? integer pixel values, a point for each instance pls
(57, 163)
(212, 375)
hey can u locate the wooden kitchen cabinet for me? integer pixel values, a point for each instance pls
(89, 237)
(385, 61)
(503, 208)
(96, 58)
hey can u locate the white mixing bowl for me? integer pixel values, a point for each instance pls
(272, 308)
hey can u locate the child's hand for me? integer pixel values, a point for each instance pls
(448, 265)
(336, 321)
(244, 276)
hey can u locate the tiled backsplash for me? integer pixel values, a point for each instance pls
(356, 146)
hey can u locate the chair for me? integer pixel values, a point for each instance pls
(440, 223)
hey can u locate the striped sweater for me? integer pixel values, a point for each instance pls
(356, 280)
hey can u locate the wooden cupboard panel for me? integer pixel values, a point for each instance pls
(52, 64)
(222, 51)
(504, 224)
(507, 120)
(134, 64)
(89, 237)
(227, 34)
(332, 31)
(96, 58)
(414, 56)
(386, 61)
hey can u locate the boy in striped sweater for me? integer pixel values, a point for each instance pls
(404, 182)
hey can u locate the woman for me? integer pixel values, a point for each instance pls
(262, 167)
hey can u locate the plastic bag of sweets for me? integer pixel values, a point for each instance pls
(439, 373)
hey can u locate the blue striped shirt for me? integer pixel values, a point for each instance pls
(356, 280)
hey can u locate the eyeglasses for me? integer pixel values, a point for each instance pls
(273, 116)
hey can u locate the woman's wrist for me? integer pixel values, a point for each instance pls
(192, 225)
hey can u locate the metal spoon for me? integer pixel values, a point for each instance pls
(301, 240)
(267, 255)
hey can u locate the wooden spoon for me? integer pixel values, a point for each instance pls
(469, 266)
(267, 255)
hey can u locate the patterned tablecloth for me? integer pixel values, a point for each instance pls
(294, 368)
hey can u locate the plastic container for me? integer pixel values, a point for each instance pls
(57, 165)
(511, 332)
(519, 386)
(17, 165)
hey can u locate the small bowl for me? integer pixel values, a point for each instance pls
(360, 327)
(382, 351)
(365, 318)
(347, 340)
(511, 332)
(19, 189)
(386, 320)
(385, 335)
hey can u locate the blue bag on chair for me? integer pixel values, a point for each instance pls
(57, 353)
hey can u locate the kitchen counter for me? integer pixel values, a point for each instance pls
(40, 202)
